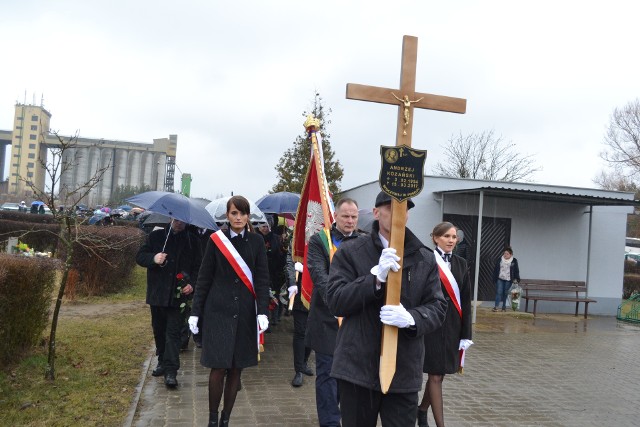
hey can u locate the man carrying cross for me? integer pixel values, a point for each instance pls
(356, 288)
(378, 352)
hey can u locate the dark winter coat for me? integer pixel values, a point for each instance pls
(441, 355)
(183, 255)
(291, 281)
(464, 251)
(275, 260)
(322, 326)
(514, 270)
(227, 308)
(352, 295)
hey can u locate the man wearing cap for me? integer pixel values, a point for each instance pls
(355, 292)
(322, 326)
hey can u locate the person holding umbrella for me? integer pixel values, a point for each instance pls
(166, 253)
(231, 299)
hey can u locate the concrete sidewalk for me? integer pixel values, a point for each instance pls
(548, 371)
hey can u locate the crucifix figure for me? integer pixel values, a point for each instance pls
(399, 209)
(407, 109)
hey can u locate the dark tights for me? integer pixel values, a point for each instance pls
(433, 397)
(217, 385)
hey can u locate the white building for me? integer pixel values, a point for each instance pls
(557, 233)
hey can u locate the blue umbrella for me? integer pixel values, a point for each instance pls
(99, 216)
(279, 203)
(176, 206)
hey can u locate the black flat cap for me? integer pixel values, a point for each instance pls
(383, 199)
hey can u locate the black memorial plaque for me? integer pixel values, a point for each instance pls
(402, 171)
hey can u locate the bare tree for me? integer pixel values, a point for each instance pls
(622, 139)
(616, 180)
(63, 159)
(485, 156)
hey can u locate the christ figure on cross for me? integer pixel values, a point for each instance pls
(407, 109)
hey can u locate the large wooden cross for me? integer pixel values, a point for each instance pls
(407, 99)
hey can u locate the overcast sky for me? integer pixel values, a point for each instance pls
(232, 79)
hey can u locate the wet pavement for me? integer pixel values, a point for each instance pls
(554, 370)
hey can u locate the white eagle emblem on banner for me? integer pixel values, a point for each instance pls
(315, 220)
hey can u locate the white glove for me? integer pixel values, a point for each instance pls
(263, 322)
(396, 315)
(388, 261)
(292, 291)
(193, 324)
(299, 267)
(465, 344)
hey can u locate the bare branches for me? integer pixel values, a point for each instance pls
(485, 156)
(623, 138)
(616, 180)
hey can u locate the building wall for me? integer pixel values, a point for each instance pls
(550, 239)
(125, 163)
(30, 127)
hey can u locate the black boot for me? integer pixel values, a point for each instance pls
(224, 419)
(422, 419)
(159, 371)
(213, 419)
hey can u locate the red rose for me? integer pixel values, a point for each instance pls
(180, 276)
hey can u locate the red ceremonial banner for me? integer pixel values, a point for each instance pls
(310, 217)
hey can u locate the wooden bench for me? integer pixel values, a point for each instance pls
(554, 290)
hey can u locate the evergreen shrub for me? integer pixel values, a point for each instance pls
(103, 260)
(26, 286)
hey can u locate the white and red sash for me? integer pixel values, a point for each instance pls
(451, 285)
(449, 282)
(235, 259)
(240, 267)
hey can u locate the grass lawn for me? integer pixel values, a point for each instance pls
(98, 365)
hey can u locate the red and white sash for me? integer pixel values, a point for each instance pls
(449, 282)
(451, 285)
(235, 260)
(240, 267)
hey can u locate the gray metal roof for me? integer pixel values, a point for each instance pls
(549, 196)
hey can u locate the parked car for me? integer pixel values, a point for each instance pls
(9, 206)
(632, 258)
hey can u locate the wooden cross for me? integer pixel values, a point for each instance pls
(407, 99)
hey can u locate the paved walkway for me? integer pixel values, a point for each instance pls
(548, 371)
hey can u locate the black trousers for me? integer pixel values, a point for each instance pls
(360, 407)
(167, 325)
(300, 352)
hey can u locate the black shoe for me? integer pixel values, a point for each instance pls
(170, 380)
(307, 371)
(224, 419)
(158, 372)
(297, 380)
(213, 419)
(422, 419)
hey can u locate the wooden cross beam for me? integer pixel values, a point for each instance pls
(407, 99)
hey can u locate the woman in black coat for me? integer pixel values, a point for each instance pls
(442, 347)
(228, 308)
